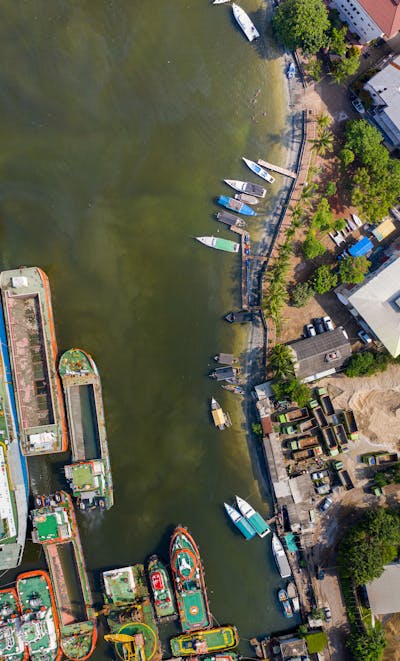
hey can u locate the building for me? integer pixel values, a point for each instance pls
(291, 648)
(370, 19)
(322, 355)
(376, 301)
(384, 89)
(384, 592)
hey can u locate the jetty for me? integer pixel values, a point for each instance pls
(277, 168)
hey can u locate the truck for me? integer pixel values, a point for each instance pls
(345, 479)
(304, 443)
(341, 437)
(298, 455)
(296, 414)
(379, 458)
(288, 430)
(325, 401)
(330, 441)
(307, 425)
(320, 416)
(350, 425)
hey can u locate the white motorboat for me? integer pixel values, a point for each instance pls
(245, 22)
(246, 187)
(257, 169)
(280, 557)
(220, 2)
(218, 243)
(260, 526)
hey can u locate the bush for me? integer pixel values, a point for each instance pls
(367, 363)
(312, 247)
(353, 269)
(256, 428)
(324, 279)
(292, 389)
(300, 294)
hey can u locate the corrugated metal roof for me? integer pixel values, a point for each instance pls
(384, 229)
(311, 353)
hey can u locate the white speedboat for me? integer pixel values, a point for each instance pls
(260, 526)
(220, 2)
(257, 169)
(280, 557)
(218, 243)
(245, 22)
(246, 187)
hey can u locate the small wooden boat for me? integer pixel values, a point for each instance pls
(237, 390)
(291, 70)
(285, 603)
(245, 22)
(221, 419)
(235, 205)
(230, 219)
(219, 244)
(246, 187)
(240, 317)
(246, 198)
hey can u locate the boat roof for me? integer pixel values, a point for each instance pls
(125, 584)
(76, 362)
(218, 416)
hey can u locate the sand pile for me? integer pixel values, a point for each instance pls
(375, 401)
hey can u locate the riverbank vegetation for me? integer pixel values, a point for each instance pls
(285, 385)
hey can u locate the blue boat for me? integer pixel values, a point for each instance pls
(254, 518)
(240, 522)
(285, 603)
(235, 205)
(291, 70)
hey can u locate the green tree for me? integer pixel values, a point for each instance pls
(353, 269)
(339, 224)
(324, 279)
(337, 41)
(291, 389)
(281, 360)
(324, 120)
(323, 143)
(314, 69)
(365, 141)
(302, 24)
(346, 157)
(256, 428)
(331, 189)
(312, 247)
(300, 294)
(361, 364)
(322, 219)
(367, 646)
(346, 67)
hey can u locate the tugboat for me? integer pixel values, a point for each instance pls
(221, 419)
(39, 619)
(254, 518)
(12, 643)
(189, 583)
(285, 603)
(203, 642)
(163, 596)
(240, 522)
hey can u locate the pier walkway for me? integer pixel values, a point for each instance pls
(276, 168)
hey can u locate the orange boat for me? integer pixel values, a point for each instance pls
(39, 621)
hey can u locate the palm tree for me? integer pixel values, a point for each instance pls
(281, 360)
(323, 143)
(323, 120)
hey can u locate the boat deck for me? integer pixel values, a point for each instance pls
(68, 593)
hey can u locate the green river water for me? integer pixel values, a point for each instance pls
(118, 122)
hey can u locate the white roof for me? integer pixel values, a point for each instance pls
(264, 390)
(386, 84)
(384, 592)
(375, 302)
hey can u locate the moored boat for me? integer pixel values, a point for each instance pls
(285, 603)
(257, 169)
(246, 187)
(203, 642)
(219, 2)
(12, 643)
(218, 243)
(237, 390)
(39, 620)
(230, 219)
(220, 418)
(189, 583)
(163, 596)
(255, 519)
(235, 205)
(290, 71)
(239, 317)
(240, 522)
(246, 198)
(280, 557)
(245, 22)
(89, 476)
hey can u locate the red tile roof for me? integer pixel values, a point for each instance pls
(385, 13)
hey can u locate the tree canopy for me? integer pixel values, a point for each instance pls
(347, 66)
(324, 279)
(281, 360)
(312, 247)
(366, 363)
(300, 294)
(353, 269)
(364, 140)
(302, 24)
(368, 645)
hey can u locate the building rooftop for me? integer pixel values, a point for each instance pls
(385, 13)
(384, 592)
(321, 355)
(386, 84)
(293, 647)
(375, 301)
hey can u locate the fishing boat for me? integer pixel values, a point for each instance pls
(89, 476)
(230, 219)
(226, 373)
(32, 344)
(255, 519)
(56, 530)
(239, 317)
(39, 620)
(220, 418)
(203, 642)
(235, 205)
(237, 390)
(290, 71)
(257, 169)
(226, 358)
(129, 611)
(219, 2)
(280, 557)
(218, 243)
(12, 644)
(285, 603)
(246, 198)
(240, 522)
(245, 22)
(163, 596)
(189, 583)
(246, 187)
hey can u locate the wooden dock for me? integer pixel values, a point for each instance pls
(276, 168)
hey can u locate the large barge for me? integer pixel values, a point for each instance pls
(39, 621)
(12, 643)
(189, 582)
(89, 476)
(32, 344)
(128, 608)
(55, 528)
(14, 483)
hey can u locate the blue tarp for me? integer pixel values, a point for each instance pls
(361, 247)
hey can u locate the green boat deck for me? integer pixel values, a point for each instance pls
(11, 640)
(202, 642)
(39, 632)
(163, 596)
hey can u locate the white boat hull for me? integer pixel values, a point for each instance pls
(258, 170)
(245, 22)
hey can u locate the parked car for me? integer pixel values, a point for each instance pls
(364, 337)
(357, 105)
(319, 325)
(328, 323)
(328, 614)
(325, 504)
(319, 475)
(310, 330)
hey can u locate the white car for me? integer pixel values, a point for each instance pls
(311, 332)
(328, 323)
(356, 103)
(327, 613)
